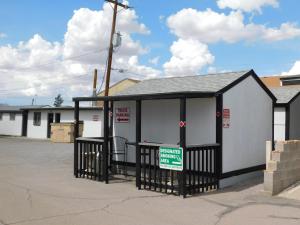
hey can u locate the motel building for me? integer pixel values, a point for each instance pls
(180, 135)
(40, 119)
(35, 121)
(11, 121)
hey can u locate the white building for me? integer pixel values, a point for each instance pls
(11, 118)
(246, 127)
(40, 119)
(226, 117)
(287, 113)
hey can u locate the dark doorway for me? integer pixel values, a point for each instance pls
(50, 120)
(57, 117)
(24, 123)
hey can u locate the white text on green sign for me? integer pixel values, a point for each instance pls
(171, 158)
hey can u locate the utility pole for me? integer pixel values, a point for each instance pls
(95, 86)
(95, 83)
(111, 47)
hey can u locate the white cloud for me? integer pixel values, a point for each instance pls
(247, 5)
(295, 70)
(45, 68)
(209, 27)
(188, 57)
(155, 60)
(3, 35)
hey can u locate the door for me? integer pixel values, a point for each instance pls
(50, 120)
(57, 117)
(24, 123)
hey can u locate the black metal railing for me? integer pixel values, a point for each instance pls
(88, 158)
(201, 172)
(201, 168)
(152, 176)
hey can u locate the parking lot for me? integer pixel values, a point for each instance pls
(37, 187)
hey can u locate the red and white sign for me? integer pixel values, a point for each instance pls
(226, 118)
(122, 115)
(182, 123)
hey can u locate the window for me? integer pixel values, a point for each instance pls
(12, 116)
(37, 119)
(57, 117)
(1, 115)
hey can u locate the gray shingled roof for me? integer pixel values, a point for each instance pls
(15, 108)
(201, 83)
(285, 94)
(8, 108)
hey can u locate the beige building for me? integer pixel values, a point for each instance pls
(118, 87)
(279, 81)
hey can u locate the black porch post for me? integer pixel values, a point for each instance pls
(76, 134)
(183, 143)
(138, 135)
(111, 131)
(106, 139)
(287, 124)
(219, 134)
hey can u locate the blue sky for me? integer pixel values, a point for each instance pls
(21, 20)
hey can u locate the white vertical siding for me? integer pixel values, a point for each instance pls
(250, 126)
(295, 120)
(160, 122)
(37, 131)
(201, 121)
(279, 123)
(11, 127)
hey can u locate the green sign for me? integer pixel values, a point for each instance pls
(171, 158)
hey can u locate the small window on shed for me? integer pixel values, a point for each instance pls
(37, 119)
(1, 116)
(12, 116)
(57, 117)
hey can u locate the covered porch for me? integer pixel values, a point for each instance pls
(139, 130)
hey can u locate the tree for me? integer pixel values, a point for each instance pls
(58, 100)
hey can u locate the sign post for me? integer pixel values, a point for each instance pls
(171, 158)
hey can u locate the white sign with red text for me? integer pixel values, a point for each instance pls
(122, 115)
(226, 118)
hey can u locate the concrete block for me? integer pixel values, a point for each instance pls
(272, 165)
(280, 156)
(271, 185)
(280, 146)
(269, 149)
(283, 169)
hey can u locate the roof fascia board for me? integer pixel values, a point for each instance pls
(294, 98)
(256, 78)
(281, 105)
(159, 96)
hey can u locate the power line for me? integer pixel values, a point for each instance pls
(52, 62)
(54, 81)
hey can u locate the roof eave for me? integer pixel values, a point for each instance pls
(173, 95)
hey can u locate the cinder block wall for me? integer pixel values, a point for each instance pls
(283, 166)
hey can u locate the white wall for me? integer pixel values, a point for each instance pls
(295, 120)
(37, 131)
(250, 125)
(11, 127)
(201, 121)
(279, 123)
(160, 122)
(91, 128)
